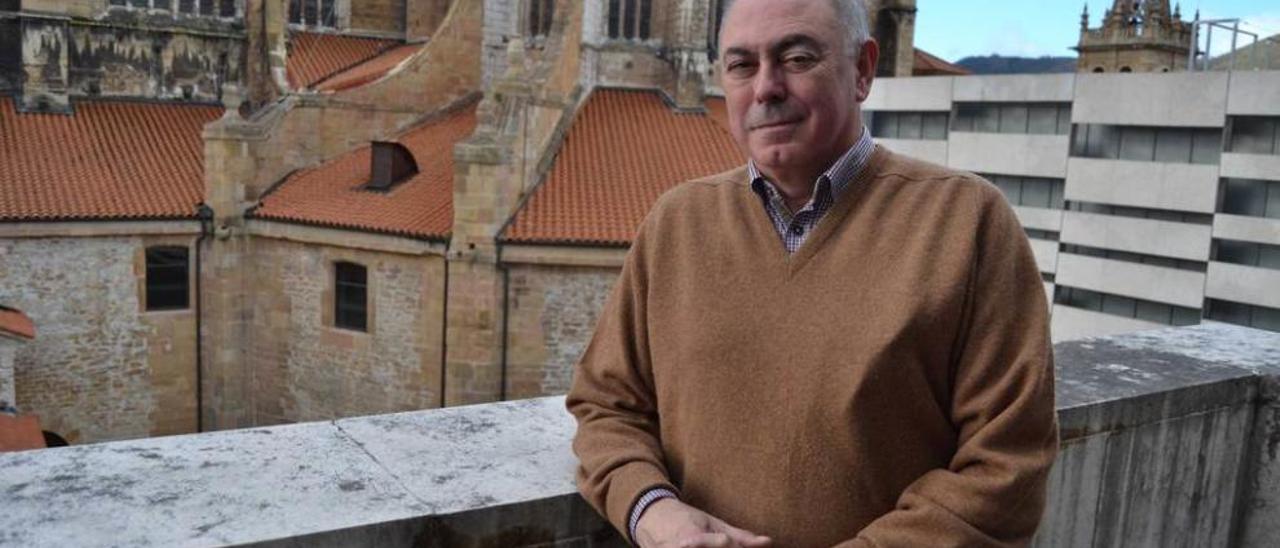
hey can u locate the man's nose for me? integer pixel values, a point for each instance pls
(770, 84)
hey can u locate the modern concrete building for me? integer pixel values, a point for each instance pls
(1150, 199)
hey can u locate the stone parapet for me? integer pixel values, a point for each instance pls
(1168, 438)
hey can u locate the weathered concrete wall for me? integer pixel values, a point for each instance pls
(553, 311)
(1160, 449)
(102, 368)
(305, 368)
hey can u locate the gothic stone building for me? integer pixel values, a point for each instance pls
(1135, 36)
(228, 213)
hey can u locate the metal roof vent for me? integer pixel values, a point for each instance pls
(392, 164)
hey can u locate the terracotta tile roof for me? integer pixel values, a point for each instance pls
(624, 150)
(16, 324)
(316, 56)
(331, 194)
(110, 159)
(370, 70)
(927, 64)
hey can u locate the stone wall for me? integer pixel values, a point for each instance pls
(127, 53)
(383, 16)
(8, 351)
(305, 368)
(552, 314)
(102, 368)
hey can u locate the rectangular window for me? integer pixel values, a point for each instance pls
(1247, 253)
(162, 4)
(1206, 146)
(909, 125)
(1244, 197)
(350, 296)
(186, 6)
(167, 278)
(1254, 135)
(295, 12)
(615, 18)
(1013, 118)
(1173, 146)
(1258, 317)
(1138, 143)
(1126, 307)
(1043, 120)
(935, 126)
(1178, 145)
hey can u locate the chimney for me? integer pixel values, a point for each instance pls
(392, 163)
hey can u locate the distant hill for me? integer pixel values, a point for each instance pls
(999, 64)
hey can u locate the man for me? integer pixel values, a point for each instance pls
(835, 345)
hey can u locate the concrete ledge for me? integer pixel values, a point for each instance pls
(1165, 442)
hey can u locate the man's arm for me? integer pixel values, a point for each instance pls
(613, 399)
(993, 491)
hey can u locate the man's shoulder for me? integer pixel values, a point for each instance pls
(704, 191)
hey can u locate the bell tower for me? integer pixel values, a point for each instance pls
(1135, 36)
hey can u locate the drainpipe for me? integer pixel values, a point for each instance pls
(444, 327)
(205, 214)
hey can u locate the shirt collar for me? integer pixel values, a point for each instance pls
(841, 173)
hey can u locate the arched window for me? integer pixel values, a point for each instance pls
(1099, 69)
(714, 23)
(630, 19)
(1126, 69)
(541, 13)
(220, 8)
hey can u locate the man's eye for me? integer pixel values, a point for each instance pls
(800, 61)
(739, 66)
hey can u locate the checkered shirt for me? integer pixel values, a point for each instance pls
(794, 228)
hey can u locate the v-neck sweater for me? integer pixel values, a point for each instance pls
(888, 384)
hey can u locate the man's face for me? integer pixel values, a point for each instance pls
(792, 85)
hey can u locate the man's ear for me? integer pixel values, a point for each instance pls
(868, 58)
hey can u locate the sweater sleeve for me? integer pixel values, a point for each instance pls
(992, 493)
(612, 397)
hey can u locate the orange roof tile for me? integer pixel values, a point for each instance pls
(13, 322)
(623, 151)
(331, 194)
(368, 71)
(110, 159)
(20, 433)
(316, 56)
(927, 64)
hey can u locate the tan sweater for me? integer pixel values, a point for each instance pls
(890, 384)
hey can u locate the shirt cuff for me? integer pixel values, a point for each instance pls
(649, 497)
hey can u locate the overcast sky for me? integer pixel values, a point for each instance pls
(953, 29)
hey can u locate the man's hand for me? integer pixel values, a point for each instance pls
(669, 523)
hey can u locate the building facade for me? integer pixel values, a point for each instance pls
(385, 206)
(1149, 199)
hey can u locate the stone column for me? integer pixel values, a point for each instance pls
(487, 187)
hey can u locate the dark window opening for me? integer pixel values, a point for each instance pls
(541, 14)
(630, 19)
(1247, 253)
(1255, 134)
(931, 126)
(1138, 258)
(1042, 192)
(1128, 307)
(1015, 118)
(1259, 317)
(350, 296)
(1251, 197)
(1142, 213)
(1147, 144)
(168, 278)
(713, 28)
